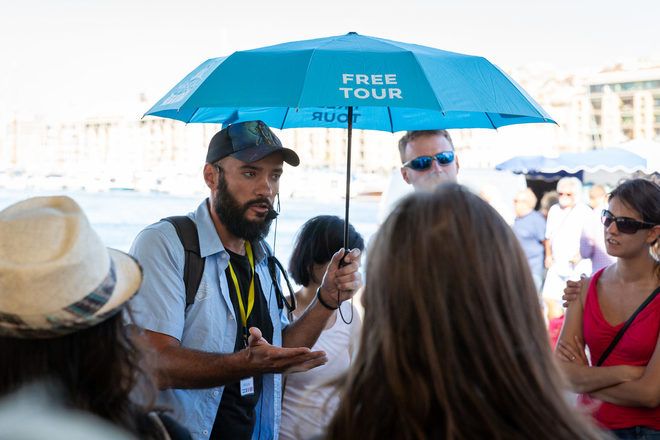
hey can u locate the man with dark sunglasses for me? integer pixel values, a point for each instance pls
(428, 159)
(218, 360)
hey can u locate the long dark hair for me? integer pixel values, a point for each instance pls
(453, 343)
(319, 238)
(95, 368)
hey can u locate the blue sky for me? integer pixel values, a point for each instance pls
(83, 56)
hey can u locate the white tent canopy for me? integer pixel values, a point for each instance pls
(649, 150)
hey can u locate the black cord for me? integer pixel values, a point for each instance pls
(275, 232)
(341, 314)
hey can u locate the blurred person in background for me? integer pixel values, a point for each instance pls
(453, 343)
(428, 158)
(564, 226)
(491, 194)
(548, 200)
(529, 227)
(617, 316)
(61, 297)
(592, 243)
(310, 399)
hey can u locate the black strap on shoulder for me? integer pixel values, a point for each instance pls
(273, 265)
(193, 268)
(630, 320)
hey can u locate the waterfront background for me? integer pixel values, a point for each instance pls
(118, 216)
(78, 76)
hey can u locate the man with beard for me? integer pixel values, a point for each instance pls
(218, 361)
(428, 159)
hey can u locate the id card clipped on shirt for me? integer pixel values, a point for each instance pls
(247, 386)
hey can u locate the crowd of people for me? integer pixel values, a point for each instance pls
(190, 335)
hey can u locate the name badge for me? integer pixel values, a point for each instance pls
(247, 386)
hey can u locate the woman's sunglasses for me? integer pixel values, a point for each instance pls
(625, 225)
(422, 163)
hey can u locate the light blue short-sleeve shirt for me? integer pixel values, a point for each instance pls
(208, 325)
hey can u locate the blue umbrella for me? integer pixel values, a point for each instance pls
(351, 81)
(391, 86)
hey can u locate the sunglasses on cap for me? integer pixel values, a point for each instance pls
(625, 225)
(422, 163)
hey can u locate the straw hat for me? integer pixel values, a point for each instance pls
(56, 276)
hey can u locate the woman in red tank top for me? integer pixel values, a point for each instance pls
(624, 391)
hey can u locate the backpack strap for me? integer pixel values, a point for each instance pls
(159, 426)
(630, 320)
(193, 268)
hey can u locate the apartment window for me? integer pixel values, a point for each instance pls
(655, 84)
(596, 104)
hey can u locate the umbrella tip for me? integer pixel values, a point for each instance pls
(352, 33)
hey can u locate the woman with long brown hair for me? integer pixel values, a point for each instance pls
(453, 344)
(62, 293)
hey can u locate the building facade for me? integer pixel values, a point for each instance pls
(625, 104)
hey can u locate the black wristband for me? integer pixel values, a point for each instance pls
(323, 303)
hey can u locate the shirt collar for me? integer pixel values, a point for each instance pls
(209, 240)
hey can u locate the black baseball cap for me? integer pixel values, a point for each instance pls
(248, 142)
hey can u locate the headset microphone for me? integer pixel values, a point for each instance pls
(272, 214)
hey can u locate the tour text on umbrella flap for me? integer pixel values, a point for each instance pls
(358, 79)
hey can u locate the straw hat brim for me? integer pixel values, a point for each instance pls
(129, 278)
(128, 274)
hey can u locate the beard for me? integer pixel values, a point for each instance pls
(232, 214)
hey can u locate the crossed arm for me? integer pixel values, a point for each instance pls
(624, 385)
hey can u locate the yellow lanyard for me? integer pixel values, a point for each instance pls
(241, 306)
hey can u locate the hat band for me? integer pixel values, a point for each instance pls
(90, 304)
(63, 318)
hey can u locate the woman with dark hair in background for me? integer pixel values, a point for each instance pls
(453, 344)
(309, 398)
(61, 297)
(626, 377)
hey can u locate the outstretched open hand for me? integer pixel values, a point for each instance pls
(266, 358)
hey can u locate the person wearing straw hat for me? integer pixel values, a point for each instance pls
(61, 296)
(221, 355)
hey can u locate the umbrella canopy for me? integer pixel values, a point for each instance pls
(608, 159)
(391, 86)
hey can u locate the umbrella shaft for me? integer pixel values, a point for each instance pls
(348, 176)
